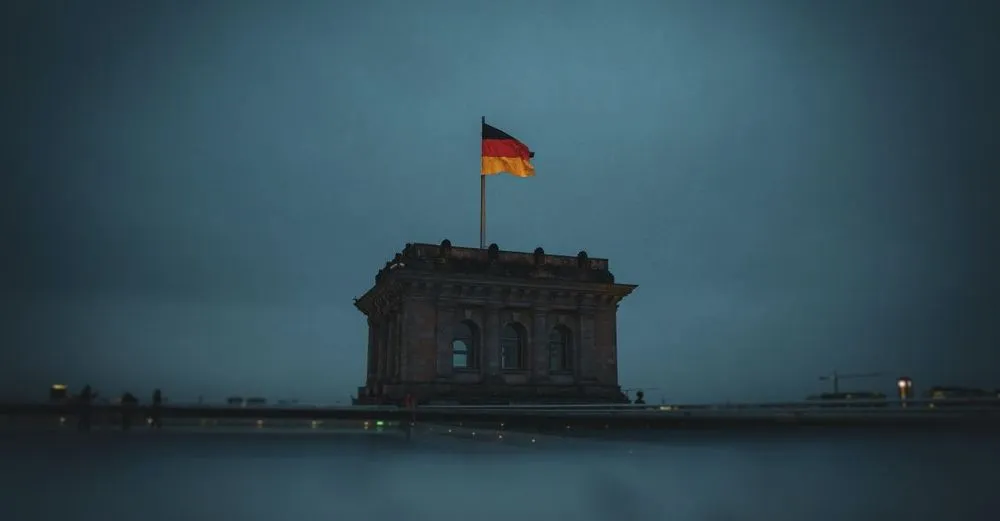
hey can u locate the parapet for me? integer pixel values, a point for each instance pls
(493, 261)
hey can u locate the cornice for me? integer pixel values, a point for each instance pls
(389, 293)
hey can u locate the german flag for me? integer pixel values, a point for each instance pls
(503, 153)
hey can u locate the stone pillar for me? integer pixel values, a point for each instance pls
(390, 347)
(540, 344)
(406, 344)
(445, 325)
(380, 349)
(372, 351)
(584, 352)
(400, 344)
(605, 366)
(610, 376)
(491, 340)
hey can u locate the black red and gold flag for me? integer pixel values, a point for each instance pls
(503, 153)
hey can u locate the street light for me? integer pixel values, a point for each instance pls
(58, 392)
(905, 385)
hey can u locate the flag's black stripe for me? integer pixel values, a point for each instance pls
(495, 133)
(490, 132)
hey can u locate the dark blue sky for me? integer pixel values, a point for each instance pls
(193, 192)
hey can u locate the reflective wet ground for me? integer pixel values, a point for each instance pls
(466, 474)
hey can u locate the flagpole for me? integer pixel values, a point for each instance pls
(482, 204)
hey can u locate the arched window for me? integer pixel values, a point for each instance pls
(464, 352)
(560, 349)
(512, 347)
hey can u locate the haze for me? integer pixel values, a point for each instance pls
(193, 192)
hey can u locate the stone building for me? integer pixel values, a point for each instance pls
(467, 325)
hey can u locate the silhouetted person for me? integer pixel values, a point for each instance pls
(83, 412)
(639, 398)
(128, 410)
(155, 411)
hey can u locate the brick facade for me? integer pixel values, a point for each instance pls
(506, 305)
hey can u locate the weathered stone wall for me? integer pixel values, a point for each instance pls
(605, 350)
(419, 341)
(429, 331)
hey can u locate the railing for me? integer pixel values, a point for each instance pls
(811, 406)
(972, 412)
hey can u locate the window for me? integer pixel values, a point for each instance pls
(512, 347)
(560, 349)
(463, 346)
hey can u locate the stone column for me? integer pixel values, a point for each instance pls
(381, 361)
(607, 353)
(584, 352)
(400, 344)
(390, 347)
(405, 343)
(372, 351)
(491, 340)
(540, 344)
(445, 325)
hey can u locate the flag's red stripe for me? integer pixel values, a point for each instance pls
(505, 148)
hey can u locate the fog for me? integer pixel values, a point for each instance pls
(265, 476)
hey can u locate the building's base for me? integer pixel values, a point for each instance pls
(491, 394)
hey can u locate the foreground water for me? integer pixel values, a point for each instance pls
(283, 475)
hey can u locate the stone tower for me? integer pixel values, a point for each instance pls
(467, 325)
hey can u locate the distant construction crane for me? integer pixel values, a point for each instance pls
(837, 377)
